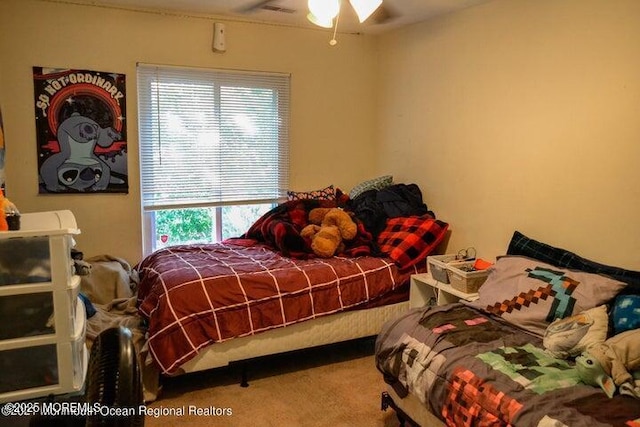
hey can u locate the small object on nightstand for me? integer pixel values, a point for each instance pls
(8, 214)
(481, 264)
(468, 254)
(13, 221)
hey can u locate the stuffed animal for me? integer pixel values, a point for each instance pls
(616, 362)
(570, 336)
(328, 228)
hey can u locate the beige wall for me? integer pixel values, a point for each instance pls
(333, 98)
(521, 114)
(516, 114)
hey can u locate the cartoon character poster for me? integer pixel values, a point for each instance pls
(81, 131)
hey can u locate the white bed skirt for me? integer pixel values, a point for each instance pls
(329, 329)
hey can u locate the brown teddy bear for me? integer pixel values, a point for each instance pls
(327, 229)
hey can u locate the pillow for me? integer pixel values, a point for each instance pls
(408, 240)
(531, 294)
(626, 313)
(371, 184)
(570, 336)
(327, 193)
(523, 245)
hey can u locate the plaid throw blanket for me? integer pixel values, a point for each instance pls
(280, 229)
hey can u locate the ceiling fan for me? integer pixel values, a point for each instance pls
(324, 12)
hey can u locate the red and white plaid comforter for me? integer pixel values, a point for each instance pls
(196, 295)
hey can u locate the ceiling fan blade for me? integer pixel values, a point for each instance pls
(383, 15)
(252, 7)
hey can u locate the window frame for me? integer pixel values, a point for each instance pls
(280, 145)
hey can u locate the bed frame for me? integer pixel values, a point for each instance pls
(325, 330)
(331, 329)
(409, 410)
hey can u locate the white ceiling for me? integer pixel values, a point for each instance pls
(293, 12)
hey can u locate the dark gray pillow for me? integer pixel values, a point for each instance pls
(525, 246)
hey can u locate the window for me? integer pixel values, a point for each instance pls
(213, 151)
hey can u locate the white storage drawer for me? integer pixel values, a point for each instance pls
(42, 320)
(26, 315)
(40, 251)
(25, 260)
(44, 365)
(28, 367)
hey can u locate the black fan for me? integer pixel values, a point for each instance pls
(113, 381)
(113, 378)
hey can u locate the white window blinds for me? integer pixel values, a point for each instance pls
(211, 137)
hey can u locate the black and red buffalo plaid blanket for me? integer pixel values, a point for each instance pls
(280, 229)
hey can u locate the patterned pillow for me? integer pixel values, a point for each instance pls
(327, 193)
(570, 336)
(532, 294)
(371, 184)
(626, 313)
(525, 246)
(408, 240)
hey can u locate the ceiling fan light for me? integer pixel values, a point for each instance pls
(364, 8)
(324, 10)
(320, 22)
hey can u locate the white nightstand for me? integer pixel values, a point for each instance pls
(424, 288)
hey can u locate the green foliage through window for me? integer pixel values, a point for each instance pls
(184, 225)
(198, 225)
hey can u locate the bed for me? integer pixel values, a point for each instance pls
(267, 293)
(512, 357)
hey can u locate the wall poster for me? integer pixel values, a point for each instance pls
(81, 131)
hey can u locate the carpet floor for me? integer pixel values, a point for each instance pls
(336, 385)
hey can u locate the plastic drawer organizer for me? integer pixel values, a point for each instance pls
(42, 320)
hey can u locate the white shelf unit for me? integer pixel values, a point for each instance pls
(425, 290)
(42, 320)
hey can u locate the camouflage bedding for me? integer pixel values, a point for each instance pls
(472, 370)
